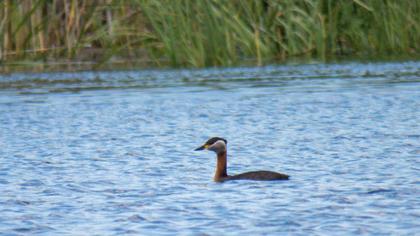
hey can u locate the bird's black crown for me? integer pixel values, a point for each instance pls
(215, 139)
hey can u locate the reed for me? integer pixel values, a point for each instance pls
(206, 32)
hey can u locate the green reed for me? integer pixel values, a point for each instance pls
(198, 33)
(72, 29)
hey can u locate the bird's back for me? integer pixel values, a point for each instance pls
(259, 175)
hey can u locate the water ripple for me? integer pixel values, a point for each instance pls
(110, 153)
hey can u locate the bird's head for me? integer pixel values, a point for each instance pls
(215, 144)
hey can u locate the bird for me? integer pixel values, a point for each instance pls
(219, 146)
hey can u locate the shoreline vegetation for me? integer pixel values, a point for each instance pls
(189, 33)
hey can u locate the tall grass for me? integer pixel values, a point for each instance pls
(72, 29)
(201, 33)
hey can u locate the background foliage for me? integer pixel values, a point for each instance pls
(205, 32)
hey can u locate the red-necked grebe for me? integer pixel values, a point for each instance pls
(218, 145)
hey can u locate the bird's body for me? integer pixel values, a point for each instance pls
(260, 175)
(218, 145)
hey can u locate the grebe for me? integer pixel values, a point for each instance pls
(218, 145)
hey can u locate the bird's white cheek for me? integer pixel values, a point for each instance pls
(212, 148)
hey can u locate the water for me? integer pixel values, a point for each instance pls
(110, 153)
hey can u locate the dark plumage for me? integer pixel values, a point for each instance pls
(260, 175)
(218, 145)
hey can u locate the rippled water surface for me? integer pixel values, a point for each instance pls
(110, 153)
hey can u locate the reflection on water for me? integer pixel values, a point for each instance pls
(111, 152)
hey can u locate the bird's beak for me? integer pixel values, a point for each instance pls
(203, 147)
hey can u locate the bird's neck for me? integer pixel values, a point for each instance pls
(221, 171)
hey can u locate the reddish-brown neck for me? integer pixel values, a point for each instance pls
(221, 171)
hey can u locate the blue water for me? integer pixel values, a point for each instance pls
(110, 153)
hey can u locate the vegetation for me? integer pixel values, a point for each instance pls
(199, 33)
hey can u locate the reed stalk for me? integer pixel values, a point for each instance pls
(206, 32)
